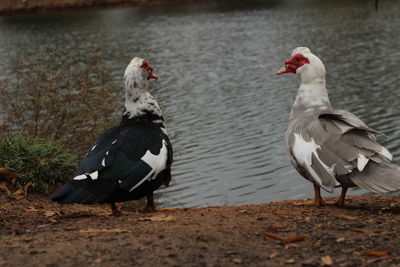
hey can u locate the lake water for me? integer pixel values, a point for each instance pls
(226, 109)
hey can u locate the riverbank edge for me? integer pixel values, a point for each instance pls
(22, 7)
(38, 232)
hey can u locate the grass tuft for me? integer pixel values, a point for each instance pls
(42, 162)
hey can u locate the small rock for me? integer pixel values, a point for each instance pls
(326, 260)
(97, 261)
(290, 261)
(237, 260)
(273, 254)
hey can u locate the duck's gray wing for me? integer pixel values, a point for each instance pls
(332, 144)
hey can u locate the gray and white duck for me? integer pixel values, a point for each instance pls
(128, 161)
(330, 147)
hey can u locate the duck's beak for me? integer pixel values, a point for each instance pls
(283, 70)
(152, 76)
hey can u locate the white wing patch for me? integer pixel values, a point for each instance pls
(384, 152)
(349, 168)
(303, 151)
(361, 162)
(93, 176)
(156, 162)
(80, 177)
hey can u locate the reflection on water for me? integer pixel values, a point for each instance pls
(226, 109)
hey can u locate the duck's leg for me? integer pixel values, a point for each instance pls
(340, 201)
(114, 210)
(318, 201)
(151, 206)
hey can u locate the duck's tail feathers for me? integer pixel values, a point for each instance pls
(381, 177)
(71, 193)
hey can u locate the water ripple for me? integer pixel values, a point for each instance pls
(226, 109)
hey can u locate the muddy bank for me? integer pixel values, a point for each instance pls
(37, 232)
(11, 7)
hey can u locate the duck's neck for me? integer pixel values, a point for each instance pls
(140, 106)
(312, 95)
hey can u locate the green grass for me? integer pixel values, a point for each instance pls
(44, 163)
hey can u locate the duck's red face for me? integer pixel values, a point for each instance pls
(149, 70)
(291, 65)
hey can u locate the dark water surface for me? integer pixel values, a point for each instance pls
(225, 107)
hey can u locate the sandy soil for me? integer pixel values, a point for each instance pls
(37, 232)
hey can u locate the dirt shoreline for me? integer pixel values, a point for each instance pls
(37, 232)
(17, 7)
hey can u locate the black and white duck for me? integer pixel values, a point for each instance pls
(128, 161)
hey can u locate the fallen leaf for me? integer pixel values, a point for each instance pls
(27, 186)
(53, 221)
(32, 209)
(5, 189)
(18, 197)
(273, 237)
(326, 260)
(363, 230)
(391, 202)
(49, 213)
(104, 231)
(286, 241)
(294, 239)
(351, 218)
(8, 174)
(376, 253)
(340, 239)
(4, 208)
(43, 225)
(158, 218)
(305, 203)
(290, 261)
(374, 260)
(19, 192)
(274, 229)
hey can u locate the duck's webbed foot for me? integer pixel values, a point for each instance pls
(317, 201)
(114, 210)
(342, 198)
(151, 207)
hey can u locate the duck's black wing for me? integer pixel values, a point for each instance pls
(125, 162)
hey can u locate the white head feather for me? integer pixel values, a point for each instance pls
(312, 71)
(136, 77)
(138, 100)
